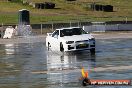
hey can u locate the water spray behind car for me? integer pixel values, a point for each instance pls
(24, 27)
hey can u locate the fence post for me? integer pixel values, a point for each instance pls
(41, 28)
(117, 26)
(70, 23)
(52, 27)
(78, 24)
(2, 31)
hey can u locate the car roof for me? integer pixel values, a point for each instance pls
(68, 28)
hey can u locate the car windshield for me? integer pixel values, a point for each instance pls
(70, 32)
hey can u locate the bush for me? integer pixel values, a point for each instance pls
(45, 5)
(18, 1)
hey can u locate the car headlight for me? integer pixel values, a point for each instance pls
(69, 42)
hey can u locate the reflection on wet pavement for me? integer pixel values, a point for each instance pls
(31, 66)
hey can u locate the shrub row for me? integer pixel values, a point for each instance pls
(45, 5)
(97, 7)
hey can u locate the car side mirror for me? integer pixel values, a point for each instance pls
(61, 35)
(56, 36)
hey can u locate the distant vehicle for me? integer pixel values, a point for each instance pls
(9, 32)
(70, 39)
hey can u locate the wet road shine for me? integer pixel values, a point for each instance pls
(29, 65)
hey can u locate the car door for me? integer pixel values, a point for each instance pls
(55, 43)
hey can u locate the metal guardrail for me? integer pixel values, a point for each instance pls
(89, 26)
(112, 27)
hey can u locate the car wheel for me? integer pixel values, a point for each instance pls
(48, 46)
(61, 47)
(92, 51)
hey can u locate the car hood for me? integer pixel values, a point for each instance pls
(77, 37)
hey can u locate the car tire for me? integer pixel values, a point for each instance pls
(61, 47)
(92, 51)
(48, 46)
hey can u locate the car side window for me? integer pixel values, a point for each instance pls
(55, 34)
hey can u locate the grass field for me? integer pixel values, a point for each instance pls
(67, 11)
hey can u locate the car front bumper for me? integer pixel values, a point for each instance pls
(78, 46)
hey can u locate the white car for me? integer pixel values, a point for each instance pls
(70, 39)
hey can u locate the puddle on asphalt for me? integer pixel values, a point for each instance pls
(31, 66)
